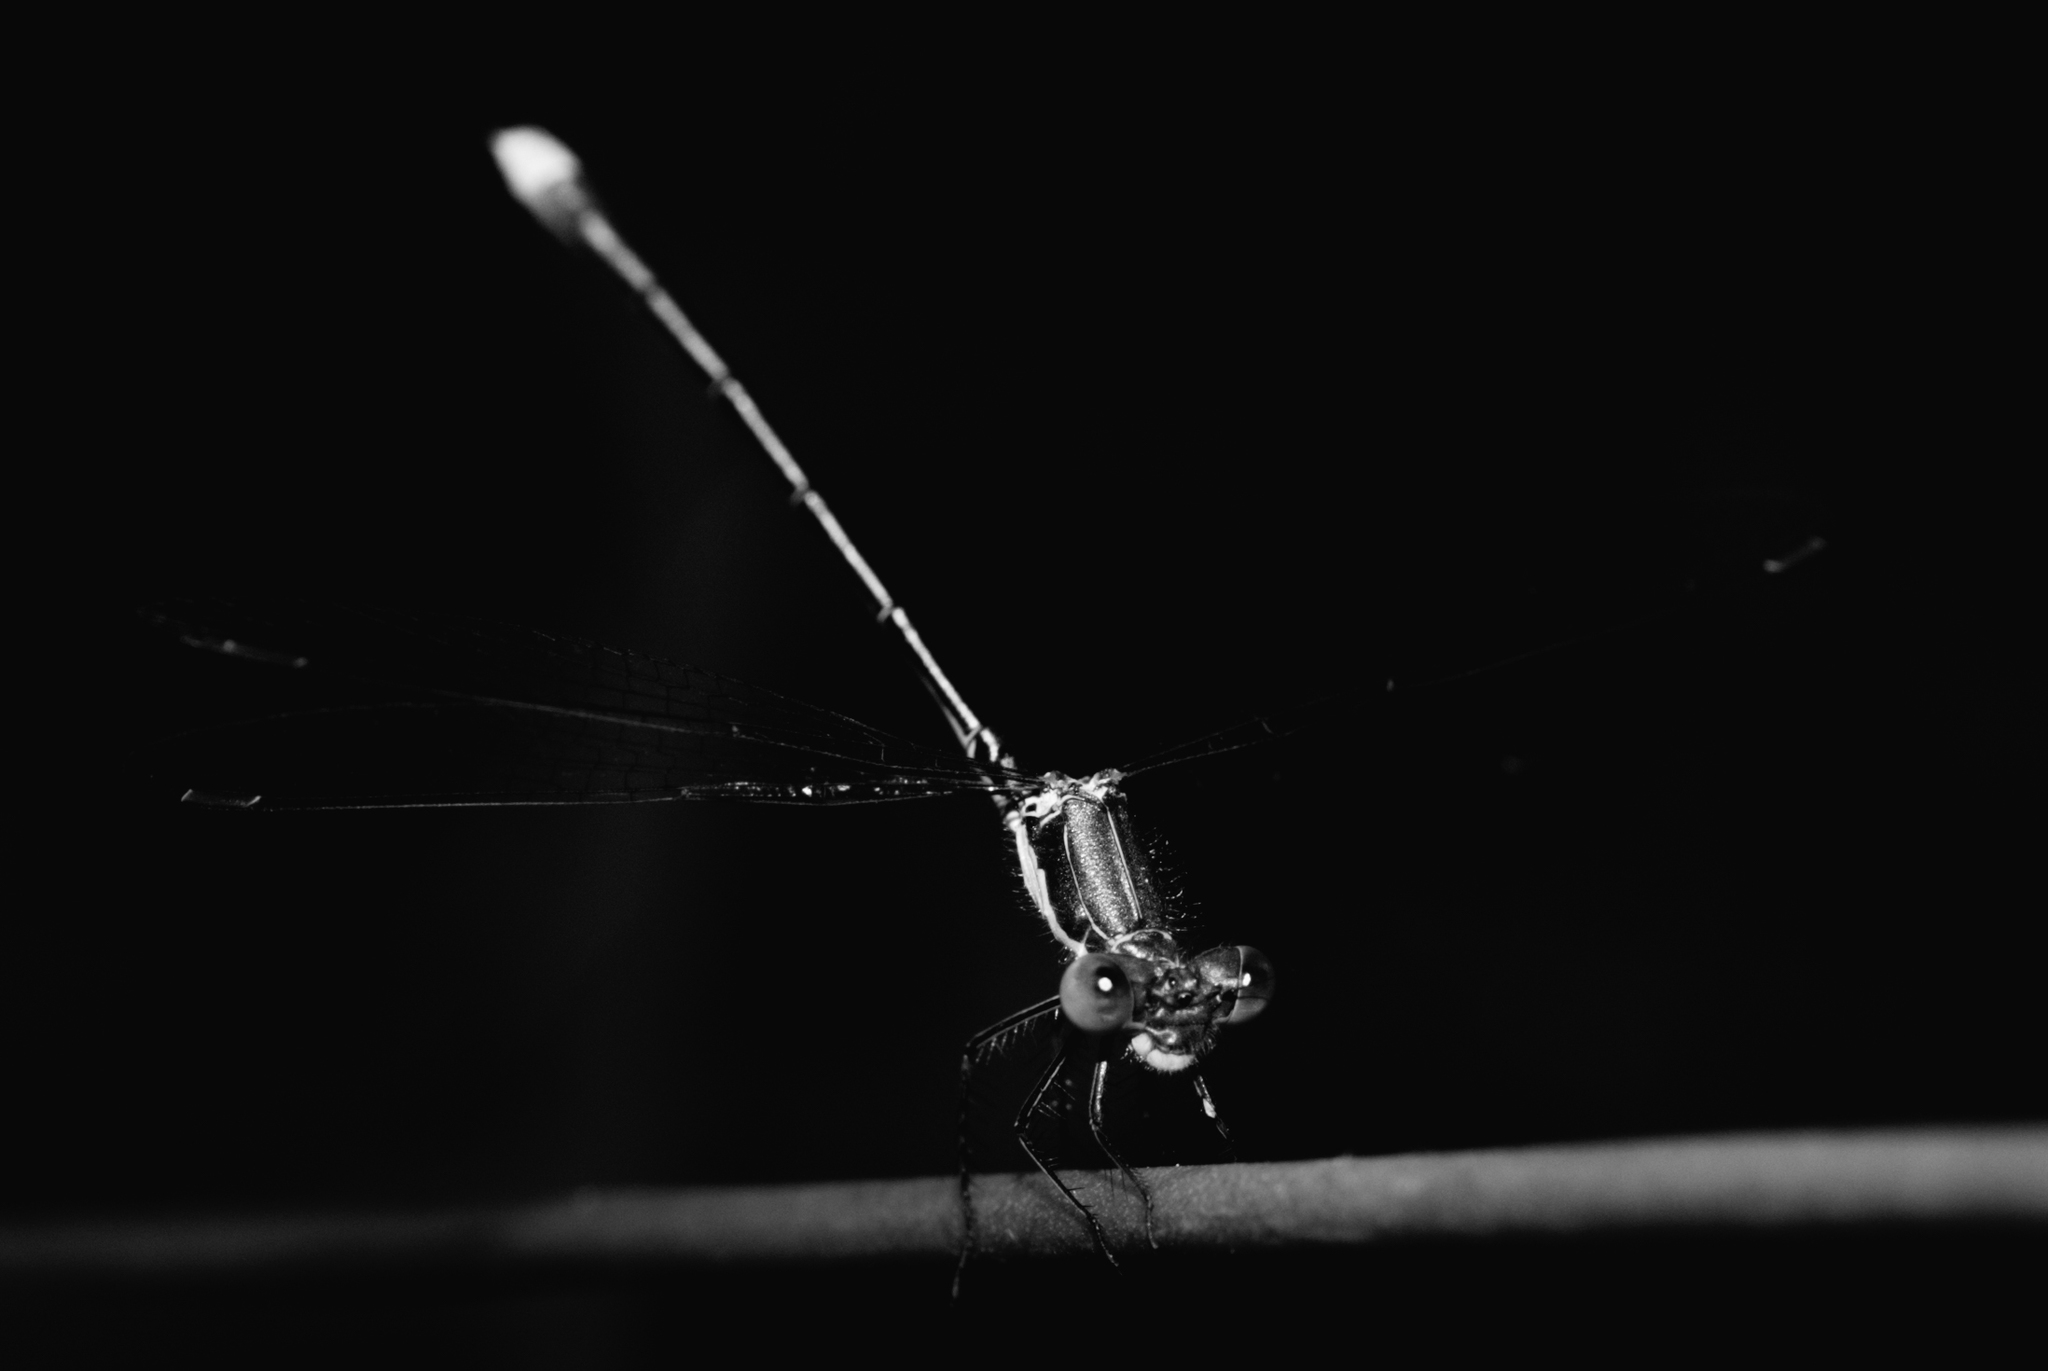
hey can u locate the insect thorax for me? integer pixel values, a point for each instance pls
(1100, 882)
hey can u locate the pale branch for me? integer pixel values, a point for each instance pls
(1760, 1181)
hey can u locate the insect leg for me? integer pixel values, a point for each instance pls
(1209, 1108)
(1036, 1098)
(989, 1041)
(1095, 1126)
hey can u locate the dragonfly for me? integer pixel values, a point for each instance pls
(431, 712)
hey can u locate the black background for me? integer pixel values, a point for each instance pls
(1157, 414)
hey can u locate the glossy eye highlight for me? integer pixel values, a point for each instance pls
(1254, 984)
(1095, 993)
(1244, 970)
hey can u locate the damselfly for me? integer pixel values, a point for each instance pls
(501, 717)
(1023, 607)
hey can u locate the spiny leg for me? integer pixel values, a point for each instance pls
(1209, 1108)
(1101, 1133)
(1022, 1127)
(970, 1056)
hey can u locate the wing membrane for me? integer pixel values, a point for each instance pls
(379, 709)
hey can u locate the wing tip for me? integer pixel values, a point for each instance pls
(216, 799)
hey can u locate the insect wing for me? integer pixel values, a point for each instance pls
(366, 708)
(1565, 610)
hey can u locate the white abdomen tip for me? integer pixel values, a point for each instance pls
(535, 163)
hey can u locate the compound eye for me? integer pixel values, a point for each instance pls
(1254, 984)
(1095, 993)
(1242, 971)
